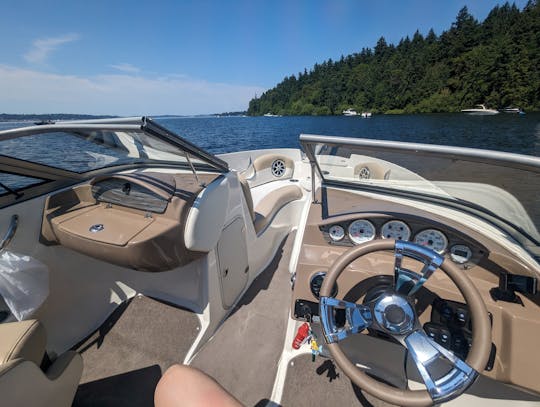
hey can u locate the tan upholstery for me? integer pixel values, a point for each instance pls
(22, 382)
(272, 203)
(22, 340)
(247, 195)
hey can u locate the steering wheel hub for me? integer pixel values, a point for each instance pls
(394, 314)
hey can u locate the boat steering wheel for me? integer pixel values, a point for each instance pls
(393, 313)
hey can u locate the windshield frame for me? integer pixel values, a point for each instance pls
(517, 161)
(55, 177)
(144, 124)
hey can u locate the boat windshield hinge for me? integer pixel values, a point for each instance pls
(202, 184)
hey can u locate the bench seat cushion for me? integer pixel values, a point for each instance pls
(272, 203)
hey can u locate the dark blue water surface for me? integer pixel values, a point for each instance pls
(504, 132)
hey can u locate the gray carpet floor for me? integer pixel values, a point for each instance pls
(243, 355)
(322, 383)
(125, 358)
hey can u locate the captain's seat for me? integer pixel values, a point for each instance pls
(22, 381)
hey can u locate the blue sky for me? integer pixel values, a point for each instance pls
(180, 57)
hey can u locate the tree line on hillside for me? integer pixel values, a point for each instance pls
(496, 62)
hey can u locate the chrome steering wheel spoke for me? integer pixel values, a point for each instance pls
(358, 317)
(431, 358)
(408, 282)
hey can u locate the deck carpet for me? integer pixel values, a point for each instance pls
(243, 355)
(322, 383)
(125, 357)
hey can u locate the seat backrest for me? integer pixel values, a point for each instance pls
(22, 340)
(22, 382)
(247, 195)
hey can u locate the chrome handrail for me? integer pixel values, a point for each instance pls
(10, 232)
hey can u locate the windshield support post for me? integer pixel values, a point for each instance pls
(314, 198)
(202, 184)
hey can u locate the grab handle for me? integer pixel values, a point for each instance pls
(10, 232)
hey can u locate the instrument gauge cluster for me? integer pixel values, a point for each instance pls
(440, 239)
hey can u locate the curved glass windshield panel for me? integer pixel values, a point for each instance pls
(82, 151)
(14, 182)
(504, 189)
(82, 146)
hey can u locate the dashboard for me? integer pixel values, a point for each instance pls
(461, 249)
(346, 219)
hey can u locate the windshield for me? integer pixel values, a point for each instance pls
(83, 147)
(498, 186)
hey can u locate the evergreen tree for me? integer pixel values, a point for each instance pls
(494, 62)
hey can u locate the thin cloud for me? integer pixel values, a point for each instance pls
(42, 47)
(33, 91)
(124, 67)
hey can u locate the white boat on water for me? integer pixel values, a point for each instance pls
(271, 115)
(480, 110)
(366, 115)
(349, 112)
(514, 110)
(130, 256)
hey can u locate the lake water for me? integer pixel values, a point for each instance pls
(505, 132)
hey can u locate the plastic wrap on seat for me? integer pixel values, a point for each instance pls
(24, 283)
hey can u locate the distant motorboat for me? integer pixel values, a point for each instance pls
(366, 115)
(480, 110)
(513, 110)
(350, 112)
(271, 115)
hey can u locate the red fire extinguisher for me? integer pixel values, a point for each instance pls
(302, 334)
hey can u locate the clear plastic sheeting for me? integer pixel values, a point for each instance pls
(24, 283)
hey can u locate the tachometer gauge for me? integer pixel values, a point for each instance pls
(361, 231)
(460, 253)
(396, 229)
(432, 239)
(336, 232)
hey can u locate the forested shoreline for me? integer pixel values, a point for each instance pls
(495, 62)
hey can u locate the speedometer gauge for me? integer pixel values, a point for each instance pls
(396, 229)
(432, 239)
(361, 231)
(336, 233)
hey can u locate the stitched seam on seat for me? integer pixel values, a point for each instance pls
(21, 338)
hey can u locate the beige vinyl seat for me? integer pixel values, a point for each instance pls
(22, 381)
(265, 211)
